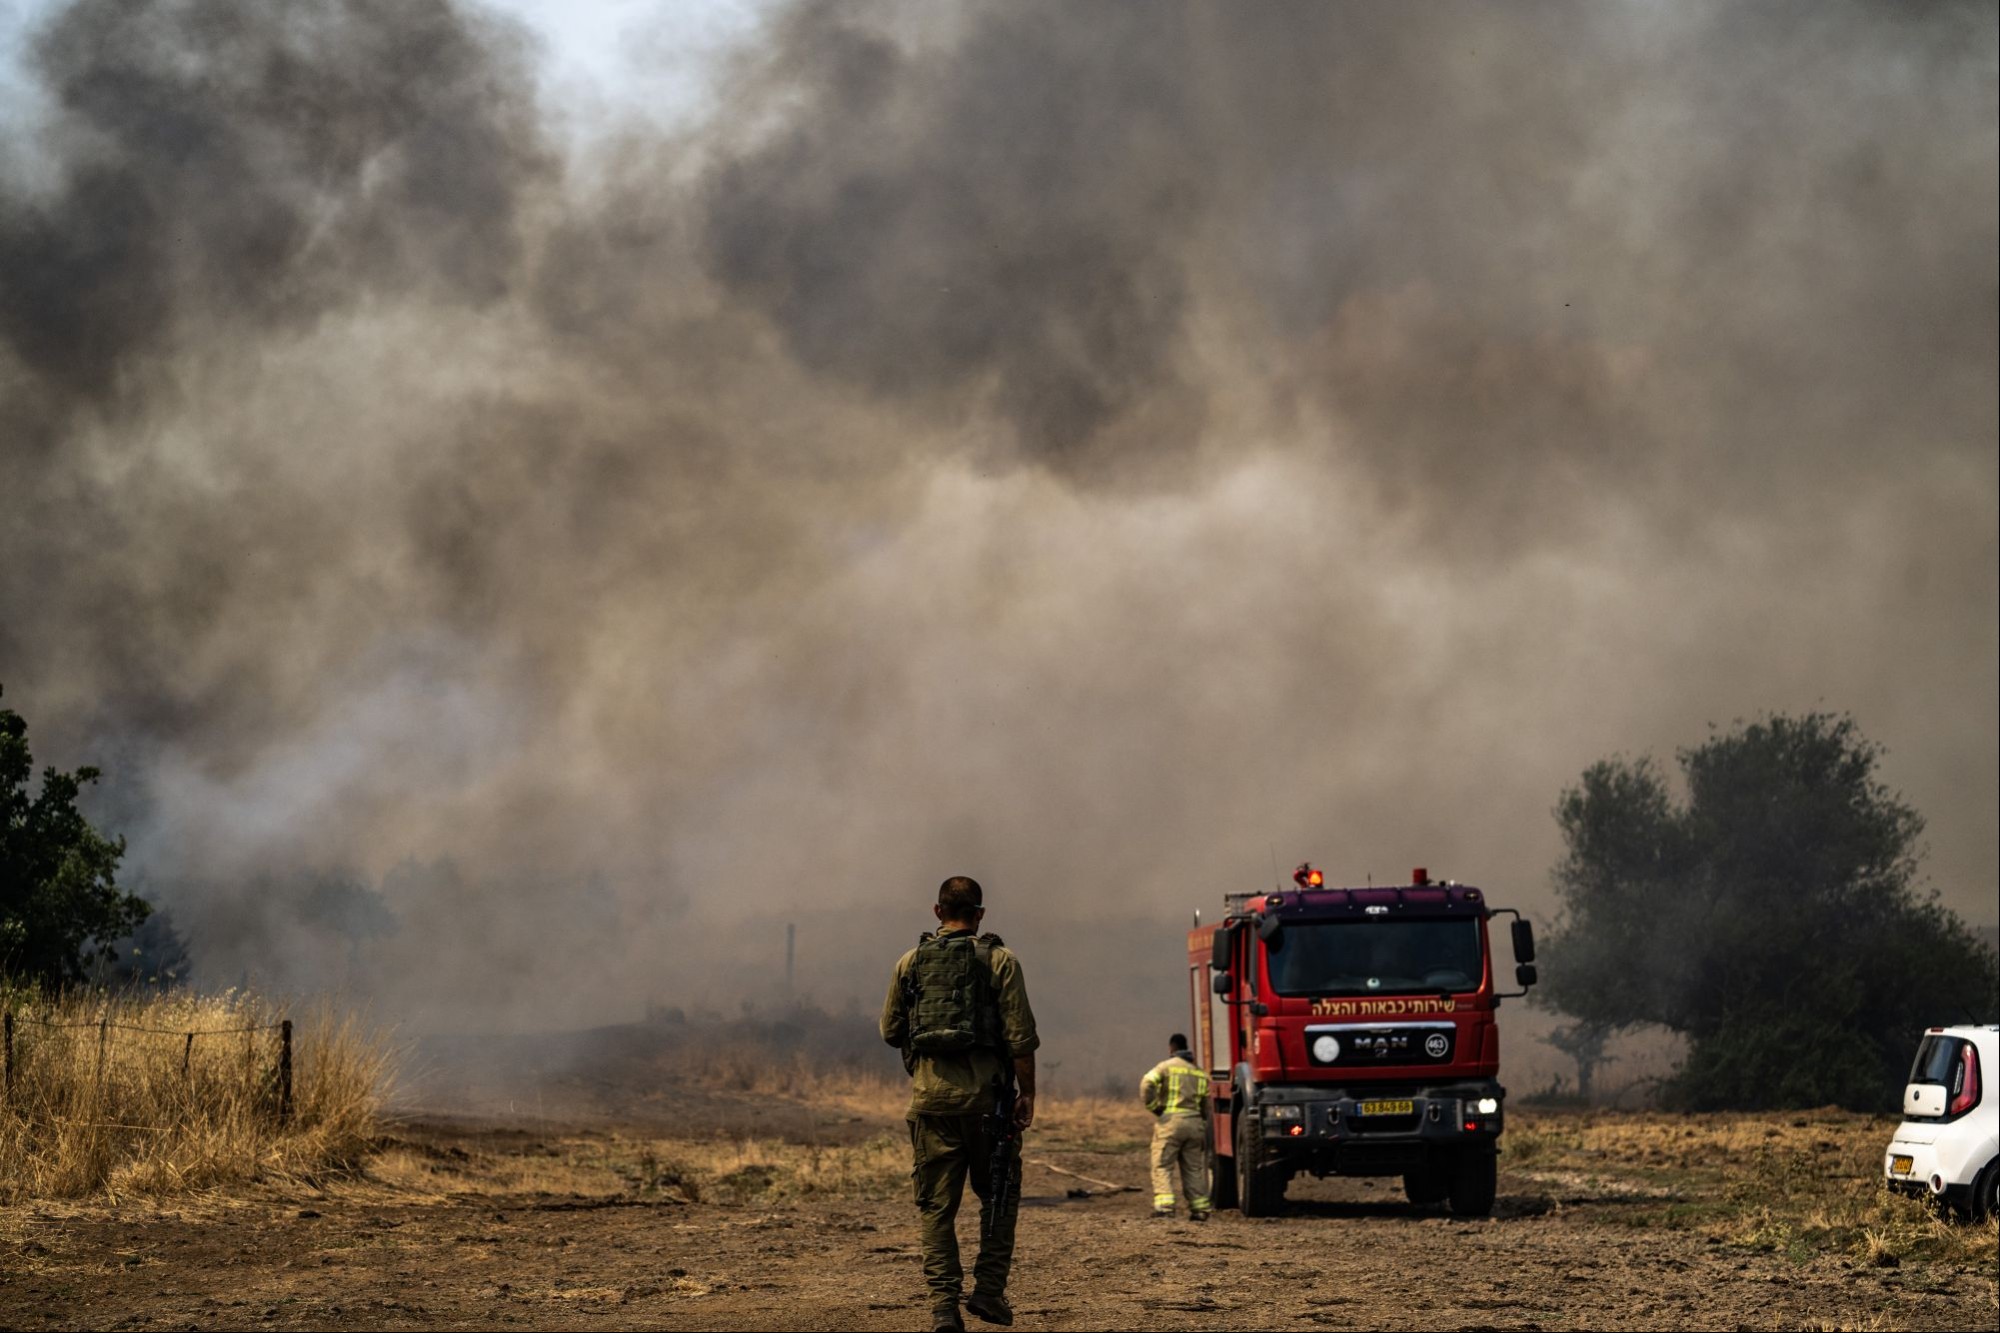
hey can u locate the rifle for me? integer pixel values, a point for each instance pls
(1001, 1133)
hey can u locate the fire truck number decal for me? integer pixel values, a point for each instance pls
(1436, 1045)
(1382, 1008)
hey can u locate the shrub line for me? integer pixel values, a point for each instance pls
(96, 1110)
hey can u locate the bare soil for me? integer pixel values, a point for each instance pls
(458, 1223)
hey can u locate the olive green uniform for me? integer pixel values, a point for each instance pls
(950, 1097)
(1176, 1090)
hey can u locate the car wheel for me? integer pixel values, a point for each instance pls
(1984, 1200)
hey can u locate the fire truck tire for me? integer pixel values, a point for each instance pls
(1473, 1181)
(1221, 1174)
(1259, 1189)
(1427, 1186)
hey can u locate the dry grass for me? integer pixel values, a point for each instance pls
(1802, 1184)
(841, 1088)
(718, 1170)
(727, 1168)
(837, 1087)
(736, 1170)
(97, 1106)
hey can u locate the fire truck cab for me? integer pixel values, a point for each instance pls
(1351, 1032)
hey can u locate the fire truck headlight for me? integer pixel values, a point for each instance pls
(1488, 1106)
(1326, 1048)
(1282, 1112)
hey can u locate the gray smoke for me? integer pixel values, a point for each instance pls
(1101, 449)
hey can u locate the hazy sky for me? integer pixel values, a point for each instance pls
(631, 484)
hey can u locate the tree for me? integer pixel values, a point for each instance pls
(60, 904)
(154, 955)
(1584, 1042)
(1771, 917)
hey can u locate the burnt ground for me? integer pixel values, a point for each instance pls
(729, 1214)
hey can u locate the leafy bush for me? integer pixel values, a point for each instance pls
(1771, 917)
(60, 904)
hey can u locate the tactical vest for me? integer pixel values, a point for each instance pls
(952, 1004)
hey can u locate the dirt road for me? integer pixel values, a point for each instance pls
(458, 1226)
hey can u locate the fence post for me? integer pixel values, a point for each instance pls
(285, 1071)
(10, 1054)
(103, 1029)
(187, 1056)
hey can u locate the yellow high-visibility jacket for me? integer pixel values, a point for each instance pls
(1175, 1086)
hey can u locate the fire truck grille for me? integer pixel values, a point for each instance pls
(1356, 1044)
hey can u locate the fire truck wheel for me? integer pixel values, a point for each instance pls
(1259, 1189)
(1474, 1180)
(1427, 1186)
(1221, 1174)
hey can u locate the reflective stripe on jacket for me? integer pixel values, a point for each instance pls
(1175, 1086)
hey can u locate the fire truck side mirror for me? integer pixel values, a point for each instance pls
(1524, 942)
(1268, 927)
(1225, 945)
(1220, 985)
(1525, 975)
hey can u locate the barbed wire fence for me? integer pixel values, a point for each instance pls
(105, 1027)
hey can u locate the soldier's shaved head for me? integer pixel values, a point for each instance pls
(959, 898)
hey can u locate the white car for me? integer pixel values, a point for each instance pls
(1949, 1140)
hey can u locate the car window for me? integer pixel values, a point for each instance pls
(1937, 1059)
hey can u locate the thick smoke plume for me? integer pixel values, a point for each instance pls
(1102, 450)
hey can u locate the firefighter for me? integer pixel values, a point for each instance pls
(958, 1010)
(1176, 1091)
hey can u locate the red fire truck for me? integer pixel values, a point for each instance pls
(1351, 1032)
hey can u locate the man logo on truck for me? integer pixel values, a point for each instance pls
(1352, 1032)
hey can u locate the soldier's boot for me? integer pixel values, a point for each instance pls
(993, 1309)
(1201, 1216)
(945, 1319)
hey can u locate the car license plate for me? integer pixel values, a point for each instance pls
(1900, 1165)
(1388, 1108)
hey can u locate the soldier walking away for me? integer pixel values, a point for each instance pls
(958, 1010)
(1176, 1091)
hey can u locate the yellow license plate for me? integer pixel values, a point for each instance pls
(1900, 1165)
(1388, 1108)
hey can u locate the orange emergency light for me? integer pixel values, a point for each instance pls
(1308, 878)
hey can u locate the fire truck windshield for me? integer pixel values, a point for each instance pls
(1374, 957)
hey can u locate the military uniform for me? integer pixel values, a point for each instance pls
(1176, 1090)
(951, 1094)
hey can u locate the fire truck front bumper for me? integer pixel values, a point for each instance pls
(1369, 1131)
